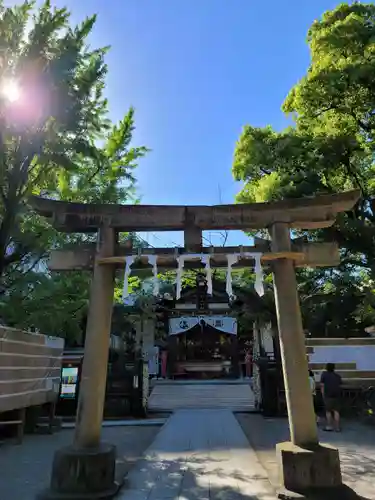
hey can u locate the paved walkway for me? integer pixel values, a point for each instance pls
(199, 455)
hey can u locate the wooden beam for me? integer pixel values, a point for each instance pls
(192, 237)
(217, 260)
(68, 260)
(301, 213)
(318, 254)
(315, 254)
(309, 255)
(295, 256)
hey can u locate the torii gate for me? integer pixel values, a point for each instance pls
(88, 466)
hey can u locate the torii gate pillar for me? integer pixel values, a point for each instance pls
(304, 464)
(94, 370)
(302, 424)
(87, 468)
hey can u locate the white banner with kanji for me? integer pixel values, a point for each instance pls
(225, 324)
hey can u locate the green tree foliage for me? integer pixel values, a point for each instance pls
(56, 140)
(55, 305)
(329, 149)
(56, 111)
(108, 176)
(49, 135)
(336, 303)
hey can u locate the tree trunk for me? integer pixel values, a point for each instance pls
(5, 232)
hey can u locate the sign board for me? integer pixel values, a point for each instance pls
(69, 380)
(153, 360)
(224, 324)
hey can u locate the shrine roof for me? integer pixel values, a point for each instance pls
(302, 213)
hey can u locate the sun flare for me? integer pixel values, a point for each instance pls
(10, 90)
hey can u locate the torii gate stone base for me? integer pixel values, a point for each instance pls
(86, 469)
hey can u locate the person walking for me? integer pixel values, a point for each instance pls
(331, 391)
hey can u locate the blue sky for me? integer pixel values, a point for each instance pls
(196, 71)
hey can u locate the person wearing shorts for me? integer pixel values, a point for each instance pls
(331, 391)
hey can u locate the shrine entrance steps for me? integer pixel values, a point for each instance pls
(170, 395)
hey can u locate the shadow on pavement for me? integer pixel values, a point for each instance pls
(26, 469)
(193, 479)
(356, 446)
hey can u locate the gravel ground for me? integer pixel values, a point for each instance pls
(25, 469)
(356, 445)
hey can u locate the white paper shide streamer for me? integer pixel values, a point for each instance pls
(152, 260)
(206, 261)
(129, 259)
(259, 287)
(180, 268)
(231, 259)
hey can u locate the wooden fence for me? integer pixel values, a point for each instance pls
(30, 368)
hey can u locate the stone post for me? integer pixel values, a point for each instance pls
(302, 424)
(138, 326)
(149, 334)
(87, 469)
(95, 361)
(192, 238)
(305, 466)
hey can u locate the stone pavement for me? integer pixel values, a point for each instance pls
(25, 469)
(199, 455)
(356, 445)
